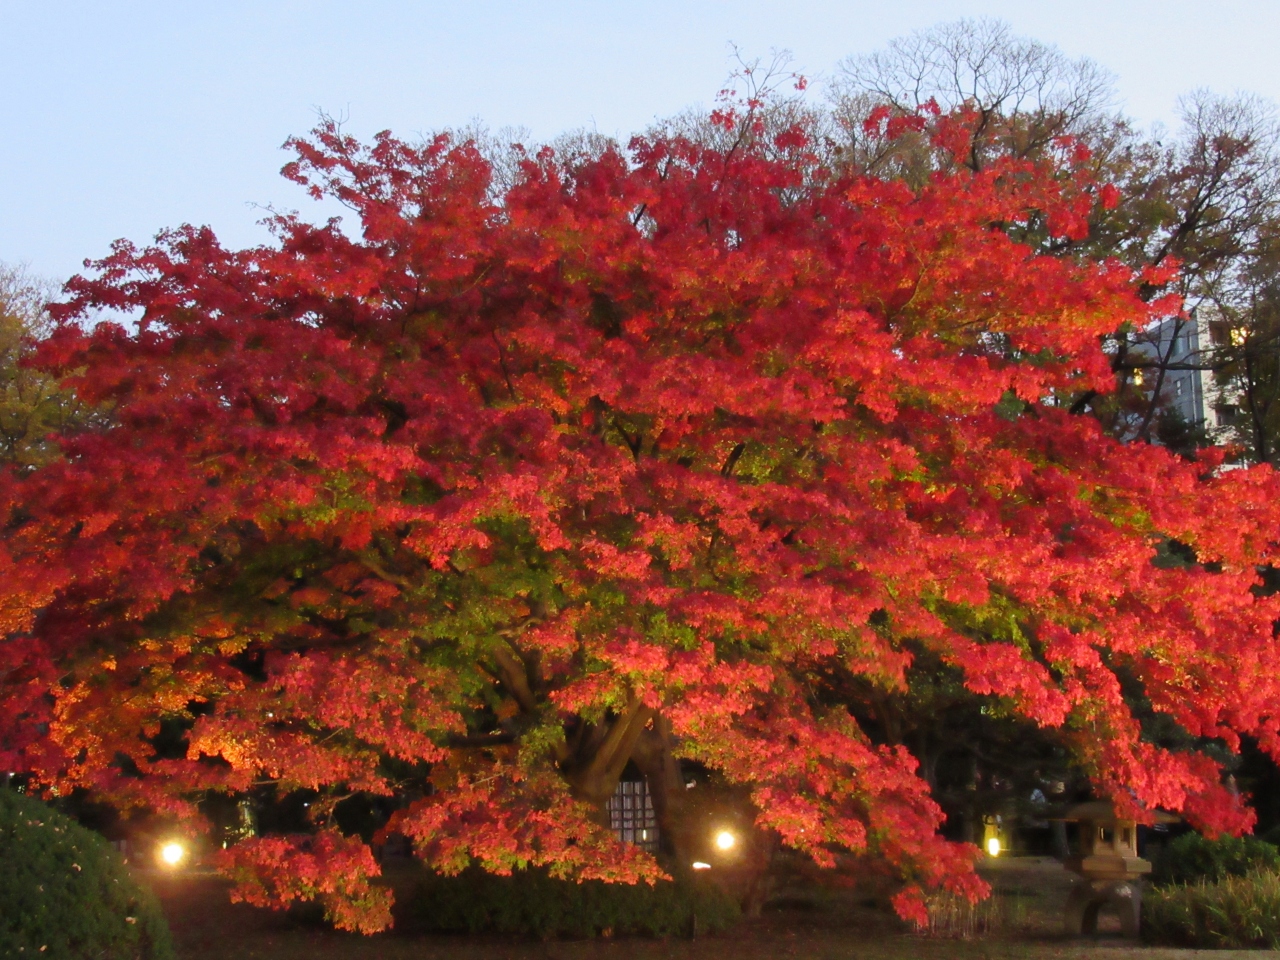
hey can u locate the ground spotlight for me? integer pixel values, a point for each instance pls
(172, 853)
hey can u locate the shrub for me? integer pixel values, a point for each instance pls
(1232, 913)
(530, 902)
(66, 893)
(1192, 858)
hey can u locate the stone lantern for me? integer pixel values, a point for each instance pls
(1110, 869)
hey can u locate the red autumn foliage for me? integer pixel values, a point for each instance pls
(327, 867)
(505, 491)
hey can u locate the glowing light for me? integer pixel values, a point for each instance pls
(725, 840)
(172, 853)
(699, 865)
(993, 846)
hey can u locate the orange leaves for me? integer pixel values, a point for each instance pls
(504, 819)
(1004, 670)
(635, 657)
(909, 904)
(277, 871)
(289, 731)
(608, 561)
(556, 637)
(386, 702)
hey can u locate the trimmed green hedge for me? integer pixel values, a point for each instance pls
(531, 903)
(1238, 913)
(1191, 858)
(65, 894)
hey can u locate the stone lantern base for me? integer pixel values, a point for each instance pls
(1089, 897)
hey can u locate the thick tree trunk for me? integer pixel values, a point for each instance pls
(654, 756)
(599, 755)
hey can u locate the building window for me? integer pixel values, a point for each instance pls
(631, 815)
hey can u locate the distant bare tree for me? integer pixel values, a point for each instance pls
(762, 97)
(1209, 199)
(1222, 185)
(1025, 93)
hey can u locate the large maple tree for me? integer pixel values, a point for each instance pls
(639, 459)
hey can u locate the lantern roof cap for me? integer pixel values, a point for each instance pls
(1104, 810)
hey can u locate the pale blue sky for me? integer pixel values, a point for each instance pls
(126, 117)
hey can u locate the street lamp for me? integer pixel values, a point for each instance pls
(725, 840)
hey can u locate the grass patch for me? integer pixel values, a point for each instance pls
(1241, 913)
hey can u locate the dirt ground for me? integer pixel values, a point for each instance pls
(1025, 919)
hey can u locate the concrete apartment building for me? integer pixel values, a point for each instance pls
(1196, 394)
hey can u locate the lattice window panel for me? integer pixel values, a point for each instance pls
(631, 814)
